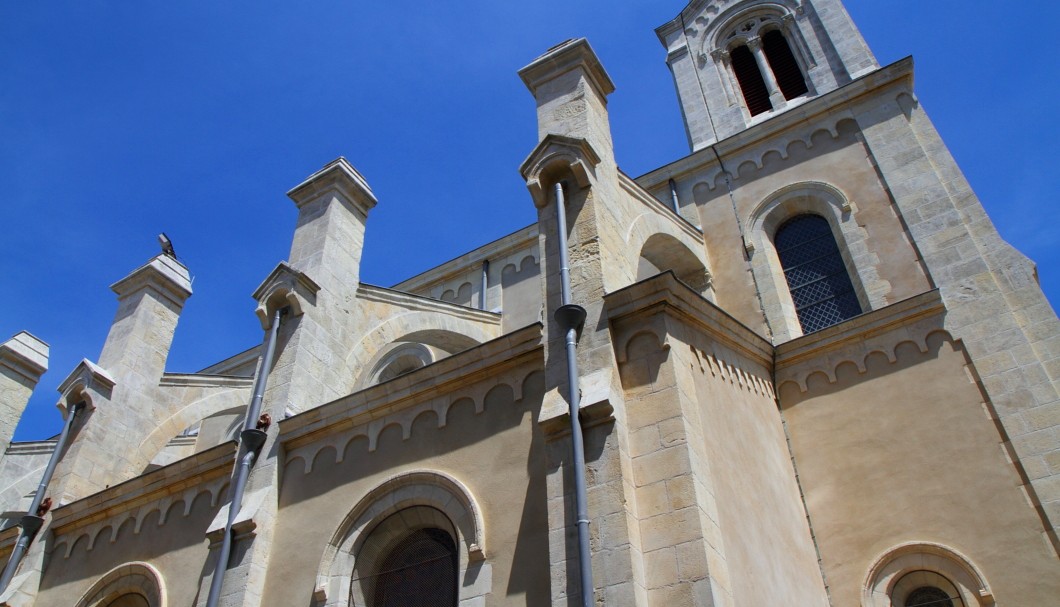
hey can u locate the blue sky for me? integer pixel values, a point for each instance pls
(120, 120)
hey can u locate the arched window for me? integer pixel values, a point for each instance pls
(420, 570)
(924, 588)
(785, 68)
(409, 558)
(763, 63)
(816, 274)
(753, 87)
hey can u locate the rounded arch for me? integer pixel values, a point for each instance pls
(656, 245)
(724, 30)
(136, 578)
(443, 333)
(416, 491)
(889, 575)
(185, 417)
(830, 203)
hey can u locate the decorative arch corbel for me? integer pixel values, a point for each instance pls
(284, 287)
(555, 157)
(408, 490)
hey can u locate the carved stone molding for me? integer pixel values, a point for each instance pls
(285, 286)
(86, 383)
(554, 156)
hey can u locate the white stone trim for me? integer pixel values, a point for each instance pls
(136, 577)
(889, 568)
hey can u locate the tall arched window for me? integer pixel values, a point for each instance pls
(763, 63)
(420, 570)
(753, 87)
(785, 68)
(816, 274)
(409, 558)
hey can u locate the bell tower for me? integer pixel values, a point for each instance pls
(736, 63)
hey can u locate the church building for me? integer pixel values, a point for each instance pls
(797, 367)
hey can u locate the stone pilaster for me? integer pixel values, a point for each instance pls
(317, 287)
(993, 300)
(23, 359)
(570, 87)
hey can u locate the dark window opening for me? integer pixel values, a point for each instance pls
(928, 596)
(785, 68)
(750, 78)
(421, 570)
(816, 274)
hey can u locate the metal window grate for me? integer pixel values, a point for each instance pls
(929, 596)
(421, 571)
(816, 274)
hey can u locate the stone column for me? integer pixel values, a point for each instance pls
(776, 97)
(23, 359)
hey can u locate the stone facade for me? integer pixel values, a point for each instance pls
(735, 455)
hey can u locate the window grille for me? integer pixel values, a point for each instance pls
(785, 68)
(750, 78)
(816, 274)
(421, 571)
(929, 596)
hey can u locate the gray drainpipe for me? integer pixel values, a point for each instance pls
(674, 200)
(485, 284)
(31, 523)
(250, 441)
(570, 318)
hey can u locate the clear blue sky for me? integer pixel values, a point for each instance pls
(120, 120)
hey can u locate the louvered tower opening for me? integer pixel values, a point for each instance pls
(752, 85)
(785, 67)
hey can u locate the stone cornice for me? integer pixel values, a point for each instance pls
(664, 292)
(194, 380)
(146, 488)
(26, 355)
(811, 110)
(462, 369)
(518, 240)
(408, 301)
(163, 275)
(858, 329)
(562, 58)
(634, 189)
(339, 177)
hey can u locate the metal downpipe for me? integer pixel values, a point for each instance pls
(570, 317)
(31, 522)
(250, 441)
(485, 284)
